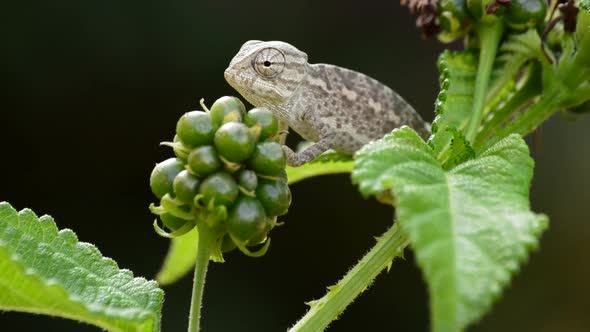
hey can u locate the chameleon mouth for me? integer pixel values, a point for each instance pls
(231, 76)
(228, 74)
(246, 84)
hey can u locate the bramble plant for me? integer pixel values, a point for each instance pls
(461, 197)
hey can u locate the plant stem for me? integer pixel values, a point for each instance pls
(204, 246)
(535, 115)
(390, 245)
(529, 89)
(490, 34)
(531, 118)
(500, 116)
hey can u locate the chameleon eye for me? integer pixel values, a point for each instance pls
(269, 62)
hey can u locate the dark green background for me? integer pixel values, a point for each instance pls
(89, 88)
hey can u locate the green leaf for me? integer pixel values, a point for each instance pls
(50, 272)
(470, 226)
(331, 162)
(513, 54)
(455, 100)
(565, 83)
(461, 150)
(180, 259)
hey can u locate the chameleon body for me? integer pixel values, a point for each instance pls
(334, 107)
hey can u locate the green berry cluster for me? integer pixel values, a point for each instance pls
(228, 175)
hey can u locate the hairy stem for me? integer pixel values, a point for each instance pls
(323, 311)
(490, 34)
(204, 246)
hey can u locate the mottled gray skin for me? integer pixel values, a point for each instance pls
(337, 108)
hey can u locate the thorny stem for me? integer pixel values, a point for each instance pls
(204, 246)
(389, 246)
(490, 34)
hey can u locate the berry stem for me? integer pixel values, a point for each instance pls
(389, 246)
(204, 246)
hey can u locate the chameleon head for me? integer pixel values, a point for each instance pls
(267, 73)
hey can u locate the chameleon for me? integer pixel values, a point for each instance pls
(334, 107)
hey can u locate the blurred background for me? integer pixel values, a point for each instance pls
(89, 89)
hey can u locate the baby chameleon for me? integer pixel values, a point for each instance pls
(334, 107)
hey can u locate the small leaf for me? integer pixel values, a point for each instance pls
(455, 100)
(50, 272)
(460, 150)
(180, 259)
(513, 54)
(470, 227)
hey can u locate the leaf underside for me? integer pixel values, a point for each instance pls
(180, 259)
(470, 226)
(43, 270)
(331, 162)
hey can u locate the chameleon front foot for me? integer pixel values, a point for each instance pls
(293, 159)
(310, 153)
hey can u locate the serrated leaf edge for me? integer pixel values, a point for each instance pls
(92, 307)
